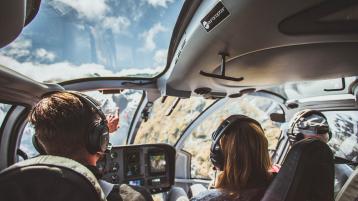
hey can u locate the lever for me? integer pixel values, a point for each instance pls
(339, 89)
(222, 68)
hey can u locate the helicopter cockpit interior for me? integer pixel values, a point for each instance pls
(172, 71)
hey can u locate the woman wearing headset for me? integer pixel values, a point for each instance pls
(239, 152)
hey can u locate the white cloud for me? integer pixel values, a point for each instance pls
(21, 49)
(160, 57)
(162, 3)
(97, 12)
(116, 24)
(134, 9)
(149, 36)
(137, 15)
(66, 71)
(18, 48)
(90, 9)
(44, 55)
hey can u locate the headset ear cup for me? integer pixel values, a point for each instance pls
(329, 135)
(92, 140)
(216, 157)
(97, 138)
(220, 158)
(37, 145)
(103, 133)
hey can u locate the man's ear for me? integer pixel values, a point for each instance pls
(99, 155)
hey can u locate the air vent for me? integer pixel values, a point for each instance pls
(202, 90)
(242, 92)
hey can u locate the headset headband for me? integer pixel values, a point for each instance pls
(91, 102)
(228, 122)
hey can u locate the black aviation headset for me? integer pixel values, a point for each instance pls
(300, 123)
(216, 153)
(97, 135)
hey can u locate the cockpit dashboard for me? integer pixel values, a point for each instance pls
(151, 166)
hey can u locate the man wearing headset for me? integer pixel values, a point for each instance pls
(309, 124)
(72, 125)
(314, 124)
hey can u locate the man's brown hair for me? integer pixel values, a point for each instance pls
(61, 121)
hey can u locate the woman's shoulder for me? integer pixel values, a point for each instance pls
(253, 194)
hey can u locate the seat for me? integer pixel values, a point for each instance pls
(306, 175)
(50, 178)
(341, 172)
(177, 194)
(349, 191)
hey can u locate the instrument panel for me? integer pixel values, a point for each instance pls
(151, 166)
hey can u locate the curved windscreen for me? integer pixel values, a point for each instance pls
(71, 39)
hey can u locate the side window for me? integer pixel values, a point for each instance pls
(4, 109)
(26, 141)
(161, 128)
(199, 141)
(344, 128)
(127, 102)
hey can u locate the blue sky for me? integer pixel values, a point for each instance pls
(77, 38)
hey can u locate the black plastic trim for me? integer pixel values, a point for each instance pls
(32, 8)
(132, 122)
(13, 143)
(2, 126)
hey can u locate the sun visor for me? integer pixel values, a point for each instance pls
(14, 15)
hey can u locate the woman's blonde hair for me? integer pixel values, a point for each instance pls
(246, 158)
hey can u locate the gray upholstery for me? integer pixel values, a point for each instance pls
(197, 188)
(50, 178)
(306, 174)
(177, 194)
(342, 172)
(349, 191)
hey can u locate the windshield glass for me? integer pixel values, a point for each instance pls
(164, 128)
(344, 126)
(199, 141)
(71, 39)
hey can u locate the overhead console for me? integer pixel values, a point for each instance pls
(151, 166)
(284, 41)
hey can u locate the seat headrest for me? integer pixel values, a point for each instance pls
(49, 178)
(306, 174)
